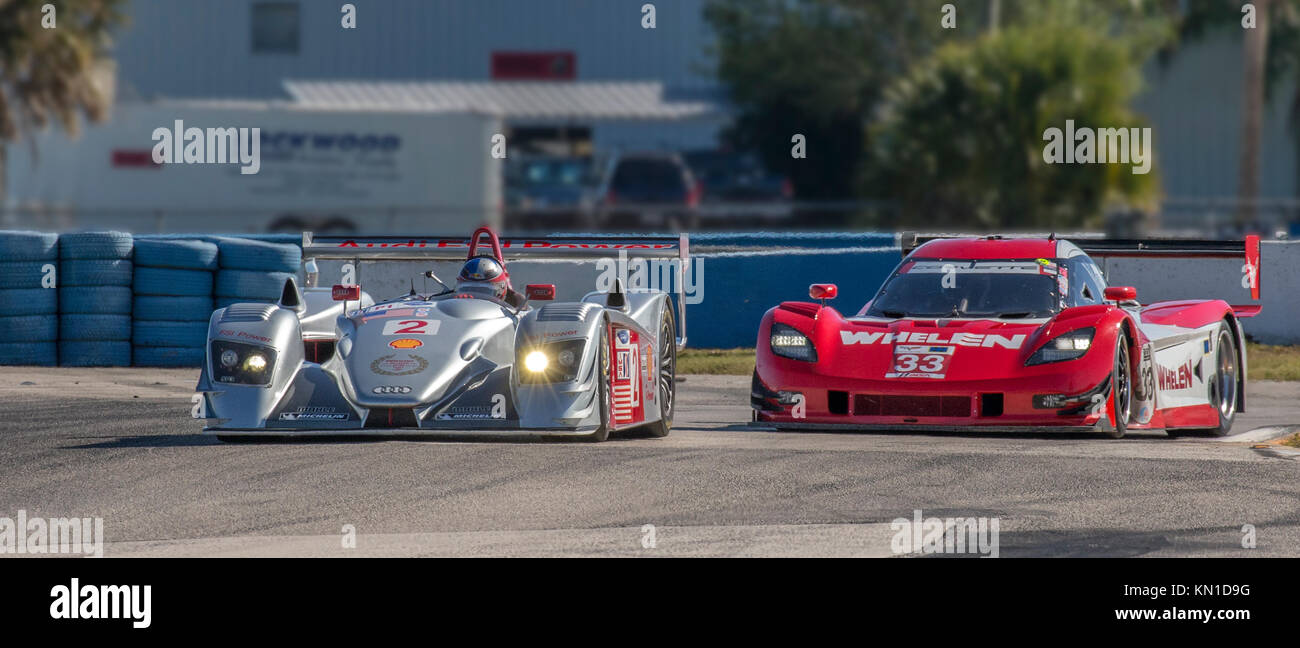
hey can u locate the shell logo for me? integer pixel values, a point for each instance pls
(406, 343)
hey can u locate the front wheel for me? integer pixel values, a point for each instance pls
(667, 383)
(1121, 381)
(602, 389)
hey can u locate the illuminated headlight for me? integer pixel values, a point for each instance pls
(789, 343)
(1067, 346)
(553, 362)
(536, 361)
(241, 364)
(255, 362)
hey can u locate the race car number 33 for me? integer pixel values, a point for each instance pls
(921, 361)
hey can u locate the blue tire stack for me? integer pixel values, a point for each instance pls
(254, 271)
(95, 299)
(173, 301)
(29, 320)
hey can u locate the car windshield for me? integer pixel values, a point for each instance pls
(549, 172)
(1017, 288)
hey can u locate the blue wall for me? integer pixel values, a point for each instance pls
(740, 286)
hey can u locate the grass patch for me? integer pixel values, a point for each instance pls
(723, 362)
(1267, 362)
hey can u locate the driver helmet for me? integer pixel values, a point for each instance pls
(483, 275)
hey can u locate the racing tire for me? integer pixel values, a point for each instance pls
(172, 309)
(95, 300)
(95, 245)
(1223, 387)
(29, 328)
(251, 285)
(25, 275)
(602, 390)
(170, 334)
(168, 356)
(35, 301)
(94, 328)
(94, 354)
(39, 354)
(29, 246)
(95, 272)
(171, 282)
(247, 254)
(1121, 380)
(180, 254)
(667, 383)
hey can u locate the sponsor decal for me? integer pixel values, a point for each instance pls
(622, 336)
(243, 335)
(921, 361)
(466, 412)
(1176, 378)
(937, 339)
(314, 414)
(391, 365)
(397, 312)
(506, 243)
(561, 333)
(406, 343)
(391, 389)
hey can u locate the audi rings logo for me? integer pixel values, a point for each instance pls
(392, 389)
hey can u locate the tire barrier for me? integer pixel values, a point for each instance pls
(32, 354)
(248, 254)
(94, 270)
(94, 354)
(251, 286)
(29, 298)
(173, 301)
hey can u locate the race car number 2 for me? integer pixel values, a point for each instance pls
(411, 327)
(917, 361)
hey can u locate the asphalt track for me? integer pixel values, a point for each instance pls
(119, 444)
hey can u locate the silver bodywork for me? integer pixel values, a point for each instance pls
(434, 363)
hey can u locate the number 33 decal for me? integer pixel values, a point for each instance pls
(912, 362)
(411, 327)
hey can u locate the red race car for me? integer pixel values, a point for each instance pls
(1009, 335)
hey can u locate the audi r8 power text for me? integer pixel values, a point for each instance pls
(1008, 334)
(476, 355)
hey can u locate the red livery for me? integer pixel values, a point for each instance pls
(1009, 335)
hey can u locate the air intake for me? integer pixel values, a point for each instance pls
(564, 312)
(248, 312)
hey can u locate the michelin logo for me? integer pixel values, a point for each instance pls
(918, 337)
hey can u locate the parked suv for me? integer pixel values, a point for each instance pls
(648, 190)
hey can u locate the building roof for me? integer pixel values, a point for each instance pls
(515, 100)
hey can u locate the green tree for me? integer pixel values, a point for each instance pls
(817, 68)
(49, 74)
(961, 137)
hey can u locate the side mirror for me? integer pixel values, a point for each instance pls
(346, 292)
(310, 272)
(540, 292)
(1121, 293)
(823, 291)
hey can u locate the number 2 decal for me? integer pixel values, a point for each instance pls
(411, 327)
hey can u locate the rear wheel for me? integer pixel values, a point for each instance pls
(667, 383)
(1223, 385)
(602, 389)
(1121, 380)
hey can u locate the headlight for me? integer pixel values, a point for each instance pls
(1066, 346)
(536, 361)
(242, 364)
(789, 343)
(554, 362)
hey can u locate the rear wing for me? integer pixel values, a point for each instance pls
(532, 248)
(1247, 250)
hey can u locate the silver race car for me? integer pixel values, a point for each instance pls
(477, 356)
